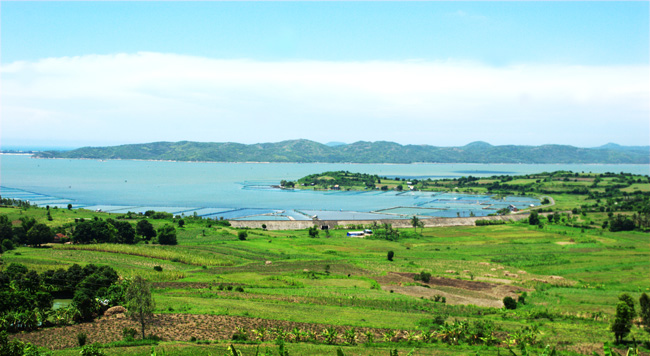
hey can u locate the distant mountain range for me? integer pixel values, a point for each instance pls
(305, 151)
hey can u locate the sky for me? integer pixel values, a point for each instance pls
(83, 73)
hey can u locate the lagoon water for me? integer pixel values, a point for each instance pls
(243, 190)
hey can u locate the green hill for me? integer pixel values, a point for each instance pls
(305, 151)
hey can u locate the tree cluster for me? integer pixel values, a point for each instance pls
(385, 232)
(121, 232)
(26, 296)
(29, 232)
(625, 314)
(341, 178)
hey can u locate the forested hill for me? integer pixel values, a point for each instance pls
(359, 152)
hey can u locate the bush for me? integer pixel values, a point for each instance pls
(82, 338)
(91, 350)
(242, 235)
(422, 276)
(129, 334)
(390, 255)
(157, 268)
(522, 298)
(239, 289)
(8, 245)
(167, 235)
(621, 223)
(509, 303)
(240, 335)
(489, 222)
(533, 219)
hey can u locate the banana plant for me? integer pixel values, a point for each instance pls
(280, 334)
(350, 336)
(411, 336)
(607, 350)
(297, 335)
(234, 352)
(389, 335)
(260, 333)
(330, 335)
(370, 337)
(426, 336)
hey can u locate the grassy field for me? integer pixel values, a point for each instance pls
(572, 273)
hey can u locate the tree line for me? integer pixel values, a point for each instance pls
(32, 233)
(26, 296)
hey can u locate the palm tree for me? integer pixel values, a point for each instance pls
(415, 222)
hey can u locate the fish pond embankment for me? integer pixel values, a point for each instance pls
(397, 223)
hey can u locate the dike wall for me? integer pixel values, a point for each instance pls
(397, 223)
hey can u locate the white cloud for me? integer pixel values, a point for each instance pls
(152, 96)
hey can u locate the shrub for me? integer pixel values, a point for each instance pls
(509, 303)
(167, 235)
(239, 289)
(240, 335)
(129, 334)
(242, 235)
(91, 350)
(390, 255)
(82, 338)
(522, 298)
(422, 276)
(489, 222)
(8, 245)
(157, 268)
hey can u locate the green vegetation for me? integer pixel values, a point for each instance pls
(358, 152)
(575, 282)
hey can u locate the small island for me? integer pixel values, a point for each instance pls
(569, 189)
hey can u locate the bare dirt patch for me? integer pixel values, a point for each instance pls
(178, 327)
(456, 291)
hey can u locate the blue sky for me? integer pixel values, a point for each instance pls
(438, 73)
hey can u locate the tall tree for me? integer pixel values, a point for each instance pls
(630, 303)
(6, 231)
(622, 321)
(125, 231)
(644, 301)
(139, 303)
(415, 222)
(145, 229)
(167, 235)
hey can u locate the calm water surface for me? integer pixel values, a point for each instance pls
(242, 190)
